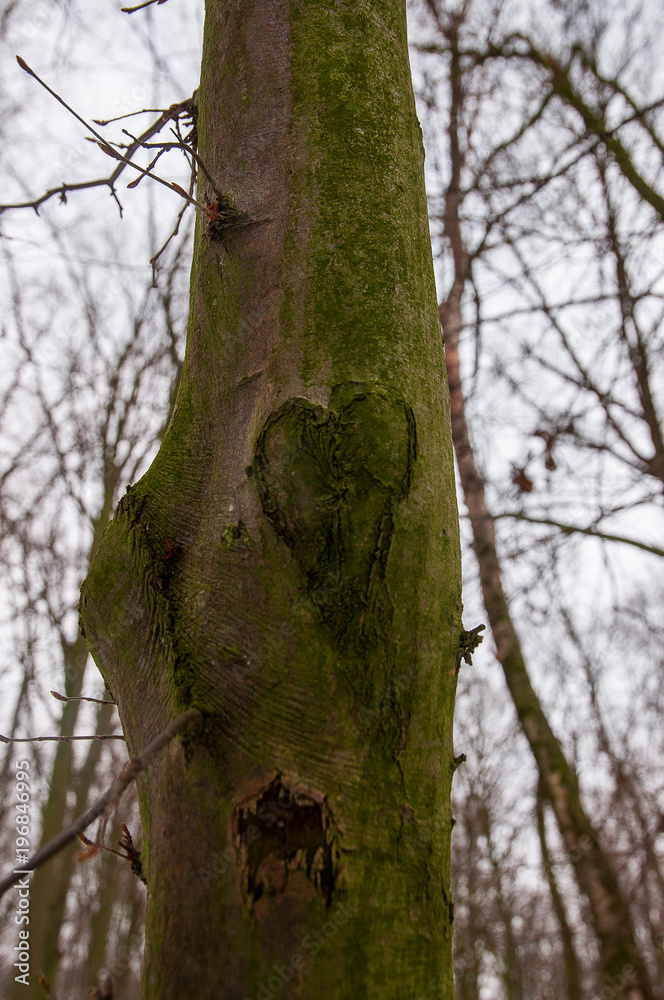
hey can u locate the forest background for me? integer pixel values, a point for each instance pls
(543, 130)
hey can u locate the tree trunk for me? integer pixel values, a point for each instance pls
(50, 885)
(127, 949)
(110, 878)
(289, 565)
(571, 966)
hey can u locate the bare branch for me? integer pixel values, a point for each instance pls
(140, 6)
(576, 529)
(62, 739)
(173, 234)
(24, 66)
(95, 701)
(106, 802)
(186, 107)
(129, 114)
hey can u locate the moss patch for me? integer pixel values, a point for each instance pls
(329, 480)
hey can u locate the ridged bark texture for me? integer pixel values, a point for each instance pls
(290, 563)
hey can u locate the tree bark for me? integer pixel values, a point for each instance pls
(289, 565)
(622, 966)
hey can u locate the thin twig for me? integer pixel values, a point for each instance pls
(107, 802)
(24, 66)
(165, 147)
(90, 844)
(131, 854)
(125, 161)
(59, 739)
(175, 231)
(95, 701)
(140, 6)
(576, 529)
(128, 114)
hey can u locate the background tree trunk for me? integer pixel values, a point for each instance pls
(571, 964)
(290, 563)
(51, 884)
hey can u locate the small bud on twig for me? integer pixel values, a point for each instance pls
(109, 152)
(89, 851)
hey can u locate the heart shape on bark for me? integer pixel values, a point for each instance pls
(330, 480)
